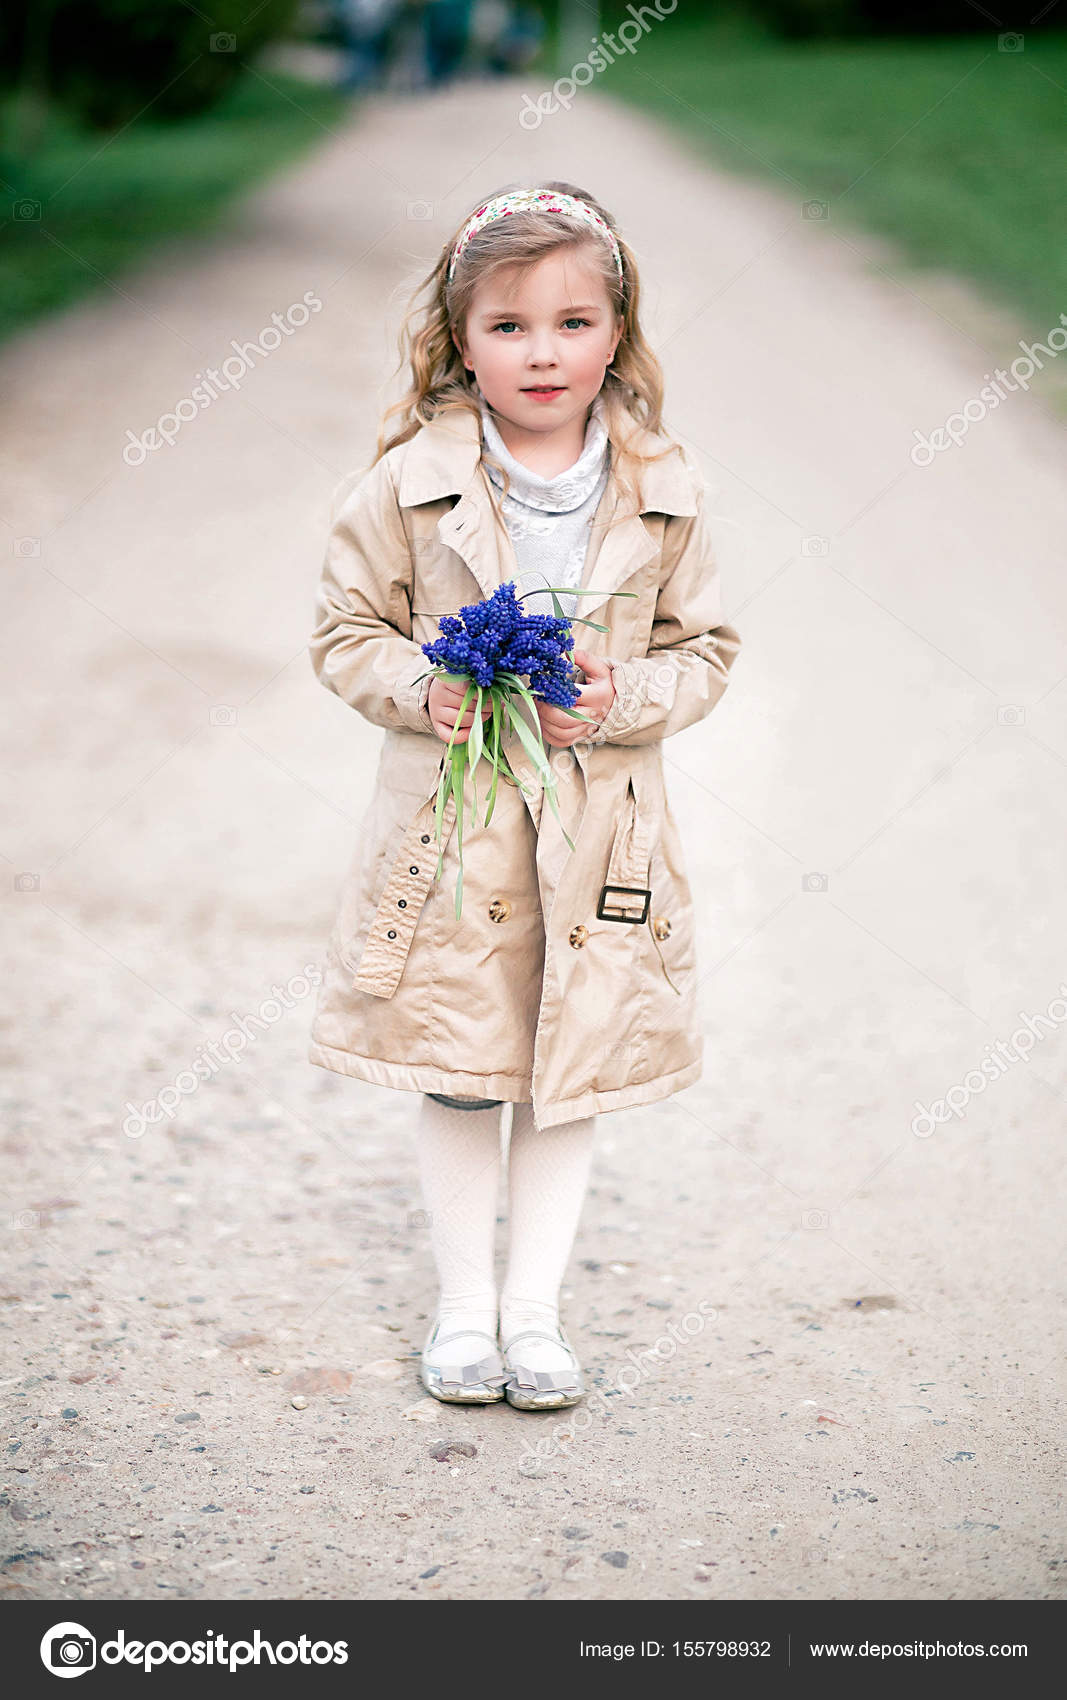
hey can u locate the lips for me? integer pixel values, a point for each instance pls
(543, 389)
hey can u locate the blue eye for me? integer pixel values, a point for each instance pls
(572, 320)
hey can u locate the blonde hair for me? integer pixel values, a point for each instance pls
(632, 391)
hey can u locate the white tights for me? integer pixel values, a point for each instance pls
(459, 1158)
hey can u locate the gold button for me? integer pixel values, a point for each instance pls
(661, 926)
(499, 909)
(578, 936)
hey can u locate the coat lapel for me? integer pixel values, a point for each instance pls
(472, 530)
(617, 548)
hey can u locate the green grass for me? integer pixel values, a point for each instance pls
(947, 146)
(104, 202)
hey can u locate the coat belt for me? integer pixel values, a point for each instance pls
(625, 893)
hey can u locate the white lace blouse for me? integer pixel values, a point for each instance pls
(548, 519)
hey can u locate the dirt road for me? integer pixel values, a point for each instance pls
(868, 1403)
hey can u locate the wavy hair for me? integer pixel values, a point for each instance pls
(439, 383)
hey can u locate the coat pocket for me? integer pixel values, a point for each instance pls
(671, 917)
(648, 847)
(402, 787)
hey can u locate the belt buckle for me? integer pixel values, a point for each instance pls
(634, 891)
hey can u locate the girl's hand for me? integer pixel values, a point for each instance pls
(442, 705)
(595, 698)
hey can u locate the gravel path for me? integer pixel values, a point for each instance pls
(868, 1402)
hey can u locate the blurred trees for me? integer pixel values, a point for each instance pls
(797, 18)
(794, 18)
(107, 60)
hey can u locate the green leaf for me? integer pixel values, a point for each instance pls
(552, 803)
(474, 789)
(589, 590)
(494, 734)
(476, 737)
(459, 762)
(535, 749)
(452, 745)
(443, 791)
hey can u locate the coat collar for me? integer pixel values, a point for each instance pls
(442, 460)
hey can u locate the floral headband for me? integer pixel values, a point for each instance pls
(533, 200)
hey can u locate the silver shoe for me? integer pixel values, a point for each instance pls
(541, 1389)
(480, 1383)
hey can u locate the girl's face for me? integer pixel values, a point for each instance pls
(539, 344)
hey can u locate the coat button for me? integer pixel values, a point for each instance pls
(425, 839)
(499, 909)
(578, 936)
(390, 934)
(661, 927)
(413, 870)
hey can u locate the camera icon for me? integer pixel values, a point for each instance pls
(815, 1219)
(815, 209)
(222, 715)
(27, 546)
(224, 42)
(68, 1649)
(1011, 714)
(815, 546)
(25, 211)
(663, 679)
(420, 1219)
(420, 209)
(815, 1555)
(26, 1219)
(815, 882)
(1010, 43)
(27, 882)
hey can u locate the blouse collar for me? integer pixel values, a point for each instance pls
(564, 490)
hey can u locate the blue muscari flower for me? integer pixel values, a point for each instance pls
(496, 636)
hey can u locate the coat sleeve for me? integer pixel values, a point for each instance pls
(691, 648)
(361, 647)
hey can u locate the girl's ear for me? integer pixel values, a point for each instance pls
(459, 345)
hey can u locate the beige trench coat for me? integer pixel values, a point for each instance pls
(552, 987)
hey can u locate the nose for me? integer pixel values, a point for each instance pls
(542, 349)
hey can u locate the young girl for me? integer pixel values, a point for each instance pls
(530, 449)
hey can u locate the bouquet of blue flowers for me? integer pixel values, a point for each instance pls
(503, 654)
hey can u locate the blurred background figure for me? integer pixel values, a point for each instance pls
(402, 45)
(367, 29)
(446, 25)
(506, 35)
